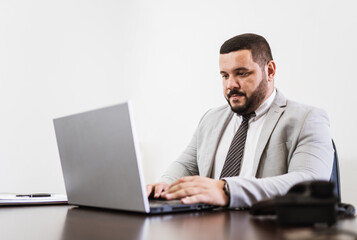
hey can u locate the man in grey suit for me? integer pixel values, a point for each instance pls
(283, 143)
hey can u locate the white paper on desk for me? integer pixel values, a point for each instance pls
(8, 199)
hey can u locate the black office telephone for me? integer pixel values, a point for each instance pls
(305, 203)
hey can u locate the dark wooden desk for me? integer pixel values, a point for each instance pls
(66, 222)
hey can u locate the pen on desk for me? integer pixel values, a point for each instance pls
(34, 195)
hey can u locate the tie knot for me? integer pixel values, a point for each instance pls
(248, 116)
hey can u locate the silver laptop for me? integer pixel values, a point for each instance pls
(101, 163)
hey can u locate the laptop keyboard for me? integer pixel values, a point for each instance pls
(158, 202)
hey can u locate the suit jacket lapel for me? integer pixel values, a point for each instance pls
(272, 118)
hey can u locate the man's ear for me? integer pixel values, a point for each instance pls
(271, 67)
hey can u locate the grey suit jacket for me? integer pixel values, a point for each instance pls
(294, 145)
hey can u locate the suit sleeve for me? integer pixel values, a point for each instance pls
(311, 159)
(186, 164)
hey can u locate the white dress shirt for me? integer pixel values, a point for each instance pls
(254, 130)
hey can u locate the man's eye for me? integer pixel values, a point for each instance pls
(243, 74)
(225, 76)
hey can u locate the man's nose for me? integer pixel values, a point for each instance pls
(232, 83)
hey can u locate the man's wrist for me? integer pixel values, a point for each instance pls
(226, 191)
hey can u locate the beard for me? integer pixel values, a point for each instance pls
(251, 103)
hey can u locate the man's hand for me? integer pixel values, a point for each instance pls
(196, 189)
(156, 189)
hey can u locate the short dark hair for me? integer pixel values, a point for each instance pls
(257, 44)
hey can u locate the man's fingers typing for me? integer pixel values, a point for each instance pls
(195, 189)
(156, 189)
(181, 193)
(148, 189)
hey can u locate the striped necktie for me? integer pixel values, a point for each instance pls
(233, 162)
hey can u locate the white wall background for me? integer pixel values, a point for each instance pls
(63, 57)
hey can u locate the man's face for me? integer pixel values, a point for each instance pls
(245, 84)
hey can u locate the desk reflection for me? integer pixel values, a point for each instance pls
(68, 222)
(88, 223)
